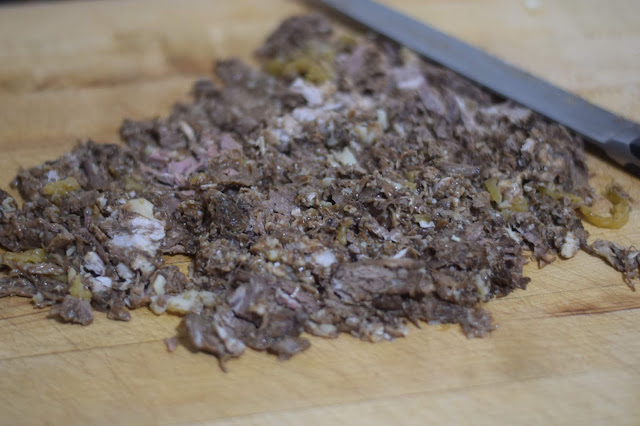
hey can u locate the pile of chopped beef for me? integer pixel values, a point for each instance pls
(347, 187)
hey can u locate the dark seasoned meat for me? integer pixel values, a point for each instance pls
(16, 287)
(371, 280)
(208, 333)
(350, 187)
(73, 310)
(294, 33)
(172, 343)
(366, 70)
(118, 311)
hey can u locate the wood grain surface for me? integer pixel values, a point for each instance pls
(567, 350)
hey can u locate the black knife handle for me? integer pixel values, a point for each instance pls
(635, 148)
(625, 151)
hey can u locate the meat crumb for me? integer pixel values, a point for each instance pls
(172, 343)
(73, 310)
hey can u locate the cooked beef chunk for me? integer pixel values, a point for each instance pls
(349, 188)
(294, 33)
(366, 70)
(73, 310)
(624, 259)
(372, 280)
(118, 311)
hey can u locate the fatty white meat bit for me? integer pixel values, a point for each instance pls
(140, 230)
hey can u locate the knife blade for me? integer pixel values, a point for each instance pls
(618, 137)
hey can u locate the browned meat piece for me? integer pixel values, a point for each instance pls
(294, 33)
(288, 346)
(119, 312)
(16, 287)
(172, 343)
(370, 280)
(625, 260)
(73, 310)
(208, 335)
(366, 70)
(43, 269)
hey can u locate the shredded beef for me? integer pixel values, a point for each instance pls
(73, 310)
(624, 259)
(354, 194)
(295, 33)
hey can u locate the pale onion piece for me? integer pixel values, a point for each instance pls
(60, 188)
(143, 265)
(37, 298)
(570, 246)
(140, 206)
(159, 284)
(425, 225)
(383, 119)
(93, 263)
(324, 258)
(304, 114)
(326, 182)
(232, 344)
(365, 134)
(77, 289)
(492, 188)
(528, 145)
(99, 284)
(125, 272)
(481, 286)
(513, 235)
(311, 93)
(52, 176)
(158, 304)
(105, 281)
(27, 256)
(187, 130)
(183, 303)
(401, 253)
(208, 298)
(374, 332)
(140, 233)
(345, 157)
(71, 273)
(322, 330)
(101, 201)
(260, 144)
(619, 212)
(6, 205)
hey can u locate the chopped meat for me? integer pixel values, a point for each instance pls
(370, 280)
(172, 343)
(206, 333)
(625, 260)
(119, 312)
(295, 33)
(347, 187)
(73, 310)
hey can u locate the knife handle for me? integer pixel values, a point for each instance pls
(635, 148)
(624, 151)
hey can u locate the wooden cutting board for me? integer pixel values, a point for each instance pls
(567, 350)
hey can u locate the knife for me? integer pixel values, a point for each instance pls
(615, 135)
